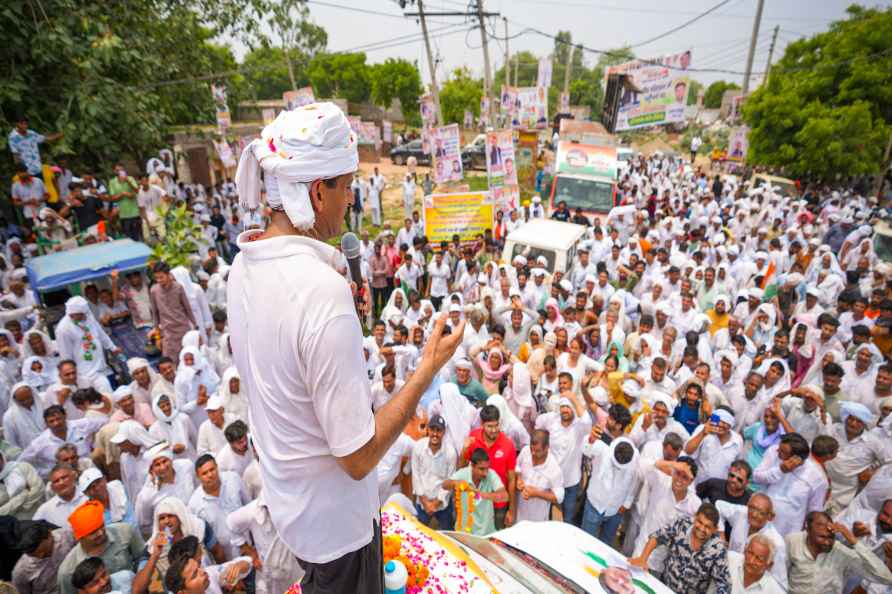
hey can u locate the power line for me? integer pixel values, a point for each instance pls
(683, 25)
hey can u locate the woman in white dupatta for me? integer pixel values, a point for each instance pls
(197, 300)
(23, 420)
(174, 427)
(195, 382)
(234, 401)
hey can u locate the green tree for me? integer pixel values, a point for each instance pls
(181, 238)
(266, 71)
(459, 93)
(693, 90)
(527, 71)
(714, 93)
(288, 19)
(396, 78)
(341, 75)
(827, 106)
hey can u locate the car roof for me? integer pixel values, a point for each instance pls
(547, 233)
(573, 553)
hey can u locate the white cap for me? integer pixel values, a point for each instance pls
(215, 402)
(455, 307)
(87, 478)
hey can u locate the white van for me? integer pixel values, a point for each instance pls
(555, 240)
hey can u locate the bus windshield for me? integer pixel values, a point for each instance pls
(587, 194)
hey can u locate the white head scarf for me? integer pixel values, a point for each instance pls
(300, 146)
(234, 404)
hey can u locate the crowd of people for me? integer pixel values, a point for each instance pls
(706, 389)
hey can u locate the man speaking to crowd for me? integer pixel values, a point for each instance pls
(297, 343)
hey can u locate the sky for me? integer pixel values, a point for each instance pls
(719, 41)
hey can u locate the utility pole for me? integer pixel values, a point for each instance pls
(507, 55)
(487, 75)
(770, 54)
(435, 91)
(516, 66)
(568, 68)
(749, 57)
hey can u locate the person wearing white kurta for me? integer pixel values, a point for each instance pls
(767, 584)
(23, 420)
(251, 524)
(41, 452)
(229, 459)
(738, 516)
(214, 508)
(793, 491)
(670, 495)
(234, 401)
(174, 427)
(376, 187)
(391, 464)
(211, 438)
(540, 482)
(133, 439)
(408, 187)
(177, 480)
(859, 449)
(714, 452)
(21, 490)
(197, 301)
(79, 337)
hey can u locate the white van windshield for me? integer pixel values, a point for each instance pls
(587, 194)
(531, 253)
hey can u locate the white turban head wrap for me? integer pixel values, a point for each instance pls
(724, 416)
(300, 146)
(76, 305)
(856, 409)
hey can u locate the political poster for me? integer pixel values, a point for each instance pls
(221, 107)
(532, 108)
(426, 140)
(428, 110)
(586, 159)
(660, 94)
(525, 156)
(469, 118)
(446, 145)
(224, 151)
(505, 198)
(355, 125)
(298, 98)
(738, 143)
(543, 78)
(268, 114)
(508, 101)
(369, 133)
(484, 111)
(565, 103)
(387, 130)
(500, 164)
(466, 214)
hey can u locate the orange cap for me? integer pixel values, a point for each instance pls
(86, 518)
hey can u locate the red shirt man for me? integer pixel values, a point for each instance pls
(502, 454)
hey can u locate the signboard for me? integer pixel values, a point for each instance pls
(298, 98)
(466, 214)
(508, 102)
(526, 154)
(532, 108)
(224, 151)
(565, 103)
(428, 110)
(586, 159)
(484, 111)
(218, 92)
(387, 130)
(501, 169)
(738, 143)
(663, 86)
(369, 133)
(446, 145)
(426, 140)
(543, 78)
(469, 119)
(269, 115)
(355, 124)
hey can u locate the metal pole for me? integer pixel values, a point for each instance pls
(770, 54)
(435, 91)
(487, 76)
(507, 55)
(752, 52)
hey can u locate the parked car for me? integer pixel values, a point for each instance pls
(400, 154)
(473, 155)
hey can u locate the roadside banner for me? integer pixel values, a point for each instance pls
(218, 93)
(369, 133)
(466, 214)
(543, 79)
(508, 102)
(224, 151)
(500, 163)
(387, 130)
(586, 159)
(298, 98)
(738, 143)
(428, 110)
(501, 169)
(355, 125)
(565, 103)
(426, 139)
(446, 145)
(532, 108)
(663, 84)
(484, 111)
(269, 115)
(469, 118)
(525, 156)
